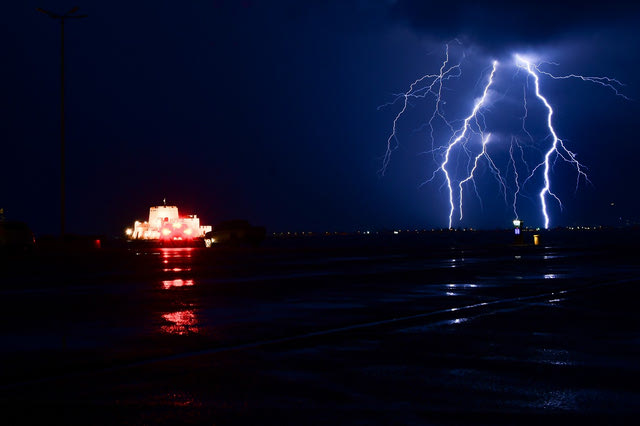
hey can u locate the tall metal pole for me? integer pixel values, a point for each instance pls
(70, 14)
(62, 165)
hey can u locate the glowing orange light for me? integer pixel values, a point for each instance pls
(187, 231)
(166, 232)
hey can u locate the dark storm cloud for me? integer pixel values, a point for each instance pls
(498, 24)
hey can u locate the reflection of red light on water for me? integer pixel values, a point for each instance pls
(175, 269)
(167, 284)
(182, 322)
(176, 259)
(176, 252)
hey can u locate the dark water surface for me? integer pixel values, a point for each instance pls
(428, 329)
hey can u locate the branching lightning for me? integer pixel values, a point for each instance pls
(608, 82)
(483, 153)
(462, 135)
(555, 144)
(460, 146)
(515, 172)
(421, 88)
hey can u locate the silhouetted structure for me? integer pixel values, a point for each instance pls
(69, 15)
(16, 237)
(235, 232)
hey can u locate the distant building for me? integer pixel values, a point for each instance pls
(165, 223)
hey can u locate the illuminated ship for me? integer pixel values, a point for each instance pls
(165, 224)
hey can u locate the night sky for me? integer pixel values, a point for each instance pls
(268, 110)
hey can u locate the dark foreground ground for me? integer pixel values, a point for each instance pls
(432, 329)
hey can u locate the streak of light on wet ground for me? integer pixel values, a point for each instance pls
(345, 335)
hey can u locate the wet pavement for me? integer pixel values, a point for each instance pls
(417, 331)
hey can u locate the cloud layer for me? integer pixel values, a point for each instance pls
(499, 24)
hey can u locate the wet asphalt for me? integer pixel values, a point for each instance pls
(426, 329)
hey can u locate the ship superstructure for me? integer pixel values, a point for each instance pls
(165, 223)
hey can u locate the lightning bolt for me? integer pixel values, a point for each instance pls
(526, 112)
(485, 141)
(516, 177)
(557, 146)
(611, 83)
(448, 156)
(421, 88)
(462, 135)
